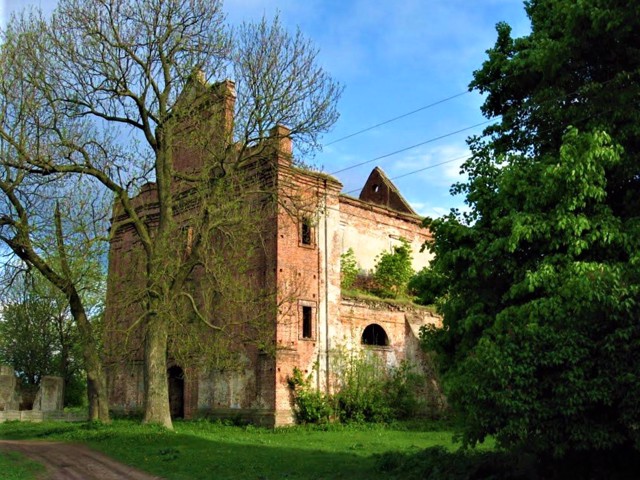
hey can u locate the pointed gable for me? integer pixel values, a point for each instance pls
(381, 191)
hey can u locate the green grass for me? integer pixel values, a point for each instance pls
(15, 466)
(403, 301)
(204, 450)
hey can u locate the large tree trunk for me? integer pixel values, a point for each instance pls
(64, 357)
(96, 388)
(96, 380)
(156, 408)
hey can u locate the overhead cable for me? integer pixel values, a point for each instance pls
(398, 117)
(411, 147)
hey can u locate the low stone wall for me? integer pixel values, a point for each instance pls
(39, 416)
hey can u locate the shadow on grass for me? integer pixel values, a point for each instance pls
(437, 463)
(206, 452)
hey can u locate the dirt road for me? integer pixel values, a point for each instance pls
(65, 461)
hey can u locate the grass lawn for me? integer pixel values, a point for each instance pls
(205, 450)
(15, 466)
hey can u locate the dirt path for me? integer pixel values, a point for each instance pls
(65, 461)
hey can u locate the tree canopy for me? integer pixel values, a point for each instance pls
(38, 334)
(102, 71)
(539, 282)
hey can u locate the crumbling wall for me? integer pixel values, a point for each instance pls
(50, 396)
(9, 395)
(370, 230)
(402, 324)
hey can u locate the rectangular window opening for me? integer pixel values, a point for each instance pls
(306, 322)
(305, 231)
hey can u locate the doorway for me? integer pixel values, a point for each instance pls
(176, 391)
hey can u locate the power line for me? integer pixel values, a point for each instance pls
(436, 138)
(466, 92)
(425, 107)
(559, 97)
(463, 157)
(411, 147)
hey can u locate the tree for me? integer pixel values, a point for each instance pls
(38, 335)
(28, 339)
(144, 67)
(540, 297)
(19, 233)
(393, 270)
(348, 269)
(45, 223)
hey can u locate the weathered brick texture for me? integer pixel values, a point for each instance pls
(311, 225)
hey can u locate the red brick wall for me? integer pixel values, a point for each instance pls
(301, 278)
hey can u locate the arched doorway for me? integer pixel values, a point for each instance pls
(176, 391)
(375, 335)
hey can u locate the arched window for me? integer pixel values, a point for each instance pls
(375, 335)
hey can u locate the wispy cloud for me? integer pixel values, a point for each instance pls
(427, 209)
(431, 159)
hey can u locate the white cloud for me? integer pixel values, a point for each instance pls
(435, 211)
(432, 159)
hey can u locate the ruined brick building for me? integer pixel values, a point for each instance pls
(301, 246)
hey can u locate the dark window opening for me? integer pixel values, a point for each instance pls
(305, 231)
(176, 391)
(306, 322)
(375, 335)
(376, 188)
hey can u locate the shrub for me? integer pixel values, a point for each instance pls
(366, 390)
(359, 390)
(348, 269)
(310, 405)
(393, 270)
(405, 391)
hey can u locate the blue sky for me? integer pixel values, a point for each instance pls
(393, 57)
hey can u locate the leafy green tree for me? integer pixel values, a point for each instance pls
(144, 70)
(427, 285)
(393, 270)
(38, 336)
(27, 340)
(540, 343)
(348, 269)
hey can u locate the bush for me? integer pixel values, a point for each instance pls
(310, 405)
(365, 391)
(360, 386)
(405, 391)
(393, 271)
(348, 269)
(368, 391)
